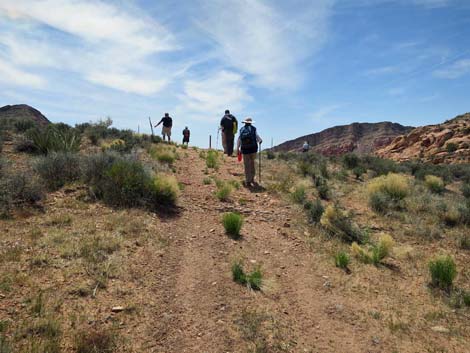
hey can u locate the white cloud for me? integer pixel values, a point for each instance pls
(13, 75)
(456, 70)
(214, 94)
(105, 44)
(259, 39)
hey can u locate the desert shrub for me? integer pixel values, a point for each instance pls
(359, 171)
(464, 241)
(434, 183)
(23, 144)
(207, 181)
(450, 217)
(253, 280)
(337, 223)
(165, 190)
(95, 341)
(299, 194)
(224, 191)
(460, 298)
(464, 210)
(96, 131)
(163, 153)
(315, 211)
(451, 147)
(465, 188)
(375, 253)
(24, 125)
(233, 223)
(58, 169)
(212, 159)
(51, 139)
(323, 190)
(443, 272)
(342, 259)
(17, 189)
(379, 166)
(124, 182)
(270, 154)
(350, 161)
(116, 145)
(387, 191)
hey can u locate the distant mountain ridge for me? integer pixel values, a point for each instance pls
(448, 142)
(22, 111)
(361, 138)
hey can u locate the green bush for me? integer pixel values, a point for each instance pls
(379, 166)
(351, 161)
(164, 153)
(233, 223)
(387, 192)
(323, 191)
(207, 181)
(25, 145)
(434, 183)
(465, 188)
(374, 253)
(315, 211)
(359, 171)
(299, 194)
(253, 280)
(381, 202)
(270, 154)
(464, 242)
(58, 169)
(337, 223)
(51, 139)
(342, 260)
(17, 189)
(451, 147)
(24, 125)
(212, 159)
(464, 210)
(443, 272)
(124, 182)
(223, 192)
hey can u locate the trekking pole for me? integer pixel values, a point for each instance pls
(260, 162)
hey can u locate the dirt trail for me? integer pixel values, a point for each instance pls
(196, 305)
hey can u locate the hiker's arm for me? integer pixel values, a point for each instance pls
(258, 139)
(159, 123)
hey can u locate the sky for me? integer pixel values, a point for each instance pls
(294, 66)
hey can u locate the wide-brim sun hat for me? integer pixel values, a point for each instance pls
(248, 120)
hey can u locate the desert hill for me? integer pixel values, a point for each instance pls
(22, 112)
(448, 142)
(361, 138)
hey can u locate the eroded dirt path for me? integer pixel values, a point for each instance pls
(196, 307)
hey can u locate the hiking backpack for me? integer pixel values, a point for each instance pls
(248, 137)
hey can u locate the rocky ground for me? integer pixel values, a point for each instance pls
(166, 283)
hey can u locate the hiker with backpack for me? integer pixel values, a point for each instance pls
(167, 125)
(229, 126)
(186, 134)
(247, 145)
(305, 147)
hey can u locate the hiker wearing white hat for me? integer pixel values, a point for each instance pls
(247, 144)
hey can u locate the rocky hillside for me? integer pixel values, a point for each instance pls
(22, 112)
(442, 143)
(361, 138)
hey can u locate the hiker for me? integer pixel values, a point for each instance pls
(229, 126)
(305, 147)
(247, 144)
(167, 124)
(186, 134)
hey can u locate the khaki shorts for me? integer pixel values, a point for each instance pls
(166, 131)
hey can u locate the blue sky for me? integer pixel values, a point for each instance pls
(295, 66)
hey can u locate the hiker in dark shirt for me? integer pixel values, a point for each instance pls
(229, 126)
(186, 134)
(167, 124)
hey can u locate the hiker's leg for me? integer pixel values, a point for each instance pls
(246, 165)
(252, 167)
(230, 139)
(224, 142)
